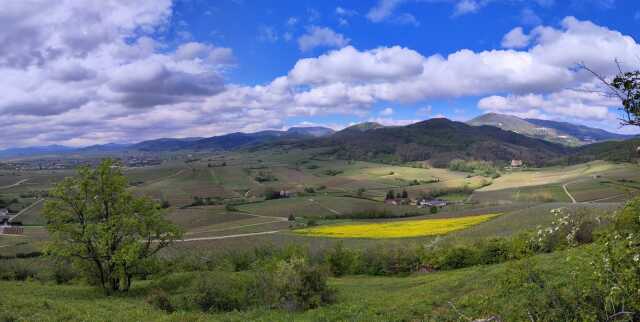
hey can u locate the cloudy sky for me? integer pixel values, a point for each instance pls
(82, 72)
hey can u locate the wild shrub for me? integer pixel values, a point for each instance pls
(457, 257)
(159, 299)
(220, 292)
(340, 260)
(292, 285)
(493, 251)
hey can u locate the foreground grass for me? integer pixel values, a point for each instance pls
(397, 229)
(360, 298)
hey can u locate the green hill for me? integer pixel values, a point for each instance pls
(439, 141)
(553, 131)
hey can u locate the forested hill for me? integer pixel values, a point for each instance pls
(438, 140)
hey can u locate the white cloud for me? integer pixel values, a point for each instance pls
(292, 21)
(529, 17)
(386, 121)
(515, 39)
(350, 65)
(345, 12)
(118, 84)
(386, 112)
(585, 103)
(267, 34)
(383, 10)
(424, 111)
(466, 6)
(321, 37)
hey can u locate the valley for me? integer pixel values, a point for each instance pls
(302, 196)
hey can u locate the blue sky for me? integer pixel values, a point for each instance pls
(263, 35)
(81, 73)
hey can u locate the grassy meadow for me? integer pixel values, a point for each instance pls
(327, 206)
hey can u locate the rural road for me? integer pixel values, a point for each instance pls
(26, 209)
(326, 208)
(233, 227)
(15, 184)
(564, 186)
(229, 236)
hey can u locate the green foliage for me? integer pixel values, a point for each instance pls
(627, 87)
(220, 292)
(340, 260)
(264, 176)
(332, 172)
(159, 299)
(373, 214)
(482, 168)
(293, 284)
(97, 223)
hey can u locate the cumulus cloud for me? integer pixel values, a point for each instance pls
(515, 38)
(383, 9)
(101, 78)
(386, 112)
(349, 80)
(466, 6)
(116, 83)
(321, 37)
(567, 104)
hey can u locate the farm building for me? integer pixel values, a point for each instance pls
(428, 203)
(4, 216)
(11, 230)
(516, 163)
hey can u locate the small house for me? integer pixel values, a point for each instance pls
(11, 230)
(4, 216)
(516, 163)
(428, 203)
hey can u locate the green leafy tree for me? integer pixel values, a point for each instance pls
(111, 235)
(625, 86)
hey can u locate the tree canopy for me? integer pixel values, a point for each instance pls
(94, 220)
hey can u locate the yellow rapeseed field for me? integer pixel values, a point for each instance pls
(397, 229)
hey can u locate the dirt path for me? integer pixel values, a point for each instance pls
(261, 216)
(326, 208)
(607, 198)
(15, 184)
(179, 172)
(564, 186)
(26, 209)
(232, 228)
(229, 236)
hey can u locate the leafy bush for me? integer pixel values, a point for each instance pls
(220, 292)
(332, 172)
(458, 257)
(160, 300)
(340, 260)
(293, 285)
(482, 168)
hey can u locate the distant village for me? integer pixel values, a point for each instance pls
(70, 163)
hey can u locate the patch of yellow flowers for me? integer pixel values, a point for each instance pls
(397, 229)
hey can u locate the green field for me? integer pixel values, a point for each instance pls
(325, 192)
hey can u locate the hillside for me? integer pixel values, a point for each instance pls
(581, 132)
(617, 151)
(438, 140)
(215, 143)
(558, 132)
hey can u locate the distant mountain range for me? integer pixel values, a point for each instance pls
(438, 140)
(553, 131)
(222, 142)
(491, 137)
